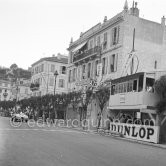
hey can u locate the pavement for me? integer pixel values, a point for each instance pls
(163, 146)
(28, 145)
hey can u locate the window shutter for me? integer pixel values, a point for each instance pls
(106, 65)
(112, 36)
(118, 30)
(60, 70)
(93, 69)
(110, 63)
(116, 62)
(78, 73)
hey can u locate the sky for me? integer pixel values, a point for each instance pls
(33, 29)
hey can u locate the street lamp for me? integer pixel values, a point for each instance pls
(55, 75)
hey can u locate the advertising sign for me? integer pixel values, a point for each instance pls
(138, 132)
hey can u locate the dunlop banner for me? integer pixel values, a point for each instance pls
(138, 132)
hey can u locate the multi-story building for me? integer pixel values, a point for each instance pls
(43, 75)
(5, 90)
(113, 41)
(125, 44)
(21, 89)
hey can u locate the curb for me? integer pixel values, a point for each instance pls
(162, 146)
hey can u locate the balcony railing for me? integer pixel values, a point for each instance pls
(86, 53)
(133, 100)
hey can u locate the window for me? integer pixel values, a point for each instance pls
(95, 41)
(51, 83)
(89, 69)
(32, 71)
(78, 75)
(140, 83)
(115, 35)
(69, 75)
(91, 44)
(83, 72)
(135, 85)
(21, 82)
(125, 87)
(26, 90)
(52, 68)
(112, 89)
(61, 83)
(149, 85)
(0, 90)
(103, 66)
(37, 70)
(96, 63)
(42, 67)
(105, 41)
(98, 41)
(74, 74)
(6, 84)
(113, 63)
(62, 69)
(130, 86)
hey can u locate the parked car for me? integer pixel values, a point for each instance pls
(21, 117)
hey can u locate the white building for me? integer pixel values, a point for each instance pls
(21, 90)
(43, 75)
(5, 90)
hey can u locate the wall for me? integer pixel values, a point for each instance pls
(47, 74)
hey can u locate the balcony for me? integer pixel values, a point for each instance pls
(133, 100)
(87, 53)
(34, 86)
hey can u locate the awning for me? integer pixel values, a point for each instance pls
(79, 47)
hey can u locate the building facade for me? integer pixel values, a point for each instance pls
(112, 51)
(5, 90)
(43, 75)
(21, 89)
(112, 43)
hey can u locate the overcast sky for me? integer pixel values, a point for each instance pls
(32, 29)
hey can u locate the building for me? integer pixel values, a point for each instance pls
(43, 79)
(124, 45)
(21, 90)
(113, 41)
(5, 90)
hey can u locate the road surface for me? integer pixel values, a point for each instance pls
(52, 146)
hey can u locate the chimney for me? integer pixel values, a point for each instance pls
(105, 19)
(125, 6)
(71, 41)
(163, 21)
(134, 10)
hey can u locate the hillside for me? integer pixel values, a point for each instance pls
(9, 73)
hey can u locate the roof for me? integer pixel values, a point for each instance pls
(5, 81)
(63, 59)
(127, 78)
(94, 30)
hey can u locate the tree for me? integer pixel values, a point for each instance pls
(64, 102)
(14, 66)
(74, 99)
(103, 95)
(85, 100)
(160, 88)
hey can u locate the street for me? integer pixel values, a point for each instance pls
(54, 146)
